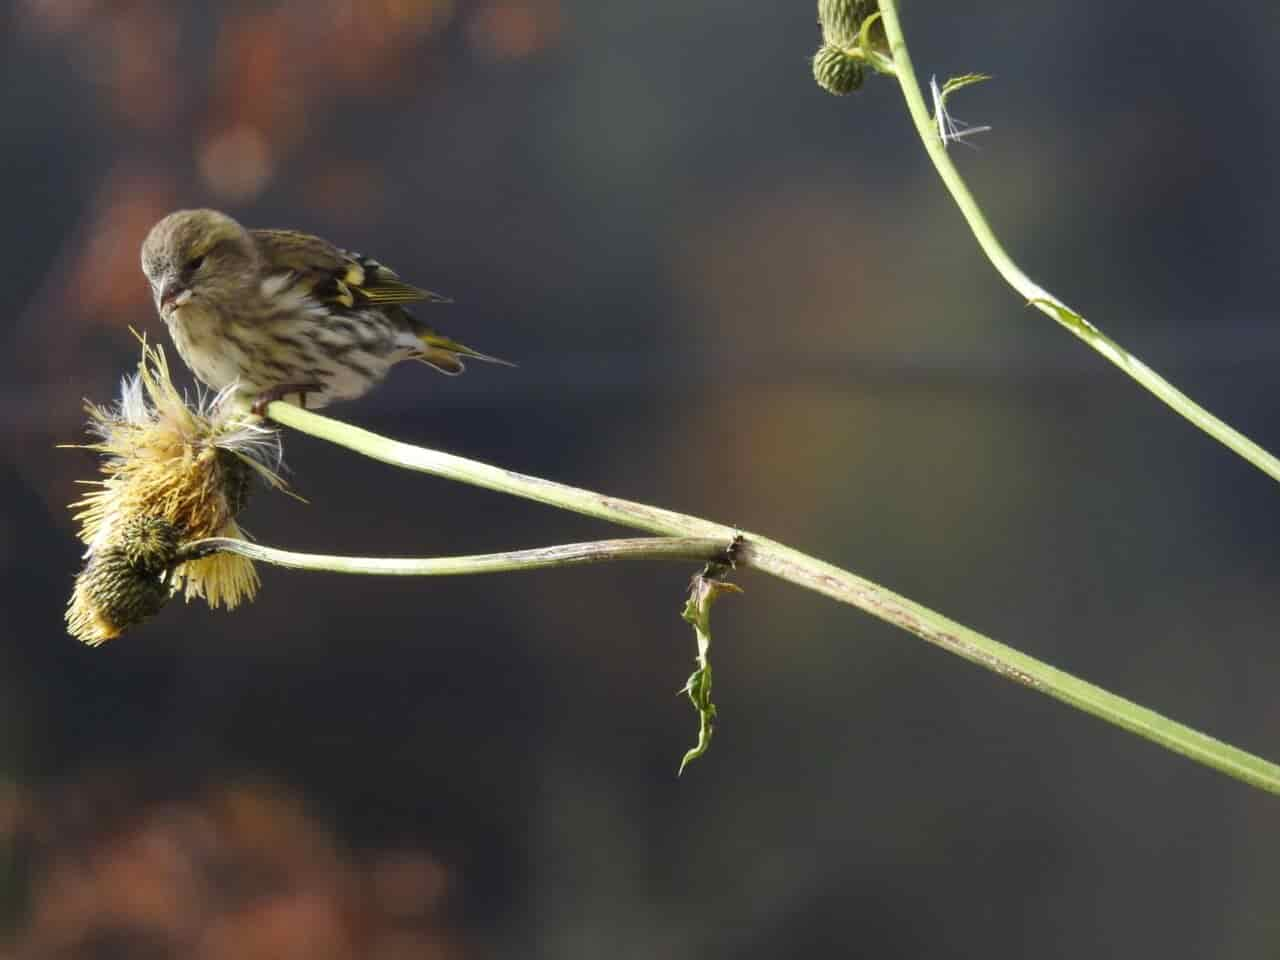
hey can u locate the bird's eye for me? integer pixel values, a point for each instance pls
(194, 263)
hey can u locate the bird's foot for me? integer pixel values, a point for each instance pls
(279, 392)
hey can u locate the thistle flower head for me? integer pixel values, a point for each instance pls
(172, 473)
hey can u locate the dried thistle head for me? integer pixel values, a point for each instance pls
(171, 473)
(125, 581)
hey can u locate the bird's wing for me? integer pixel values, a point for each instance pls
(333, 275)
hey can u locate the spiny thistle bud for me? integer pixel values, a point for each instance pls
(835, 71)
(842, 20)
(838, 66)
(173, 473)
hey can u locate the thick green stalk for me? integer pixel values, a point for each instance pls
(760, 553)
(1036, 295)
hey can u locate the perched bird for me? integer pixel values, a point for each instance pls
(280, 313)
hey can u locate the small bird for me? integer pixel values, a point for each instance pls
(280, 313)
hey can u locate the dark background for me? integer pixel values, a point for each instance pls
(730, 294)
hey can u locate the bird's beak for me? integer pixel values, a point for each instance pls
(172, 295)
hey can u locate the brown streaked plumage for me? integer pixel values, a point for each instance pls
(278, 312)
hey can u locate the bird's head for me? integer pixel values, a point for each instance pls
(197, 255)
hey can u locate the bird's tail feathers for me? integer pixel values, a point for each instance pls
(446, 354)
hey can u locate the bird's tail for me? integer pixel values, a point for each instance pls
(446, 354)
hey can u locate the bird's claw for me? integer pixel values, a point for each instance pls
(279, 392)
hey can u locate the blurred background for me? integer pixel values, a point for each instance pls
(729, 294)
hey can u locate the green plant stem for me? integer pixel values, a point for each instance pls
(538, 558)
(1035, 294)
(760, 553)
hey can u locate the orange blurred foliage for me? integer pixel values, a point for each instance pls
(514, 29)
(239, 870)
